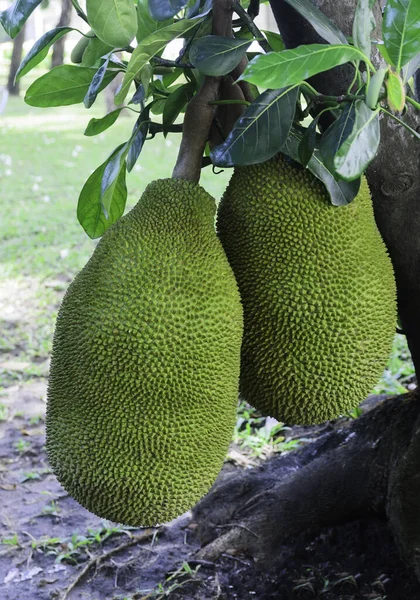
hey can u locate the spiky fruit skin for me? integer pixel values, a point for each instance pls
(143, 384)
(318, 292)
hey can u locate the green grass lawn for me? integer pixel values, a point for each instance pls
(44, 162)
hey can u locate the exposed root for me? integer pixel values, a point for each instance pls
(95, 561)
(370, 465)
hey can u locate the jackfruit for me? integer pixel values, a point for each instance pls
(78, 50)
(143, 384)
(317, 288)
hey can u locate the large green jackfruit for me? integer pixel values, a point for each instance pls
(317, 288)
(144, 374)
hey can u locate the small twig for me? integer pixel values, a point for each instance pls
(241, 12)
(222, 102)
(162, 62)
(79, 11)
(96, 560)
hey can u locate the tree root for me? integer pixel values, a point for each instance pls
(370, 465)
(95, 561)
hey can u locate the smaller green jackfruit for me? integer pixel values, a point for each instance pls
(78, 50)
(318, 292)
(144, 373)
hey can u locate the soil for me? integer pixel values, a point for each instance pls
(49, 549)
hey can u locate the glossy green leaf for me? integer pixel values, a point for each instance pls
(336, 134)
(261, 131)
(363, 25)
(275, 40)
(113, 177)
(95, 84)
(95, 49)
(395, 92)
(176, 102)
(96, 126)
(361, 146)
(280, 69)
(64, 85)
(90, 210)
(40, 50)
(13, 18)
(341, 192)
(322, 25)
(308, 142)
(401, 30)
(199, 8)
(161, 10)
(113, 21)
(145, 23)
(150, 46)
(215, 55)
(138, 137)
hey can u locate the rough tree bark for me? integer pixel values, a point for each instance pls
(12, 87)
(372, 464)
(57, 57)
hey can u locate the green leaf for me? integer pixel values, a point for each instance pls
(401, 30)
(411, 67)
(138, 138)
(176, 102)
(361, 146)
(64, 85)
(261, 131)
(146, 24)
(90, 211)
(341, 192)
(160, 10)
(336, 134)
(95, 84)
(96, 126)
(395, 92)
(13, 18)
(275, 40)
(307, 144)
(322, 25)
(384, 53)
(113, 178)
(40, 50)
(96, 48)
(216, 55)
(113, 21)
(375, 88)
(363, 25)
(280, 69)
(150, 46)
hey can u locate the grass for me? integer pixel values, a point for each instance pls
(44, 162)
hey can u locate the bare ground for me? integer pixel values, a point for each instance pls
(54, 549)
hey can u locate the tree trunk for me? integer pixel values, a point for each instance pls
(370, 465)
(58, 48)
(12, 87)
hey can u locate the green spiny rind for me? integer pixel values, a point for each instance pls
(318, 292)
(144, 374)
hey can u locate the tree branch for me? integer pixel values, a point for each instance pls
(199, 114)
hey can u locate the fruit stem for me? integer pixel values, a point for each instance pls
(199, 113)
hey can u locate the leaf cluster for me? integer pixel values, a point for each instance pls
(287, 114)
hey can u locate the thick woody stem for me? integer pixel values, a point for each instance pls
(199, 114)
